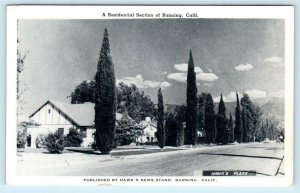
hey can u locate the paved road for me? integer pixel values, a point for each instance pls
(265, 159)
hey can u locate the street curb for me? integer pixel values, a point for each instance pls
(185, 151)
(280, 170)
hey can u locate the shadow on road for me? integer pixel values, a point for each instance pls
(266, 148)
(85, 151)
(124, 153)
(235, 155)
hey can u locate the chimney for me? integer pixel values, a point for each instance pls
(148, 119)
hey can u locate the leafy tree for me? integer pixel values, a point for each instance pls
(222, 123)
(161, 133)
(174, 127)
(257, 122)
(231, 129)
(250, 118)
(20, 90)
(20, 67)
(238, 129)
(138, 105)
(261, 132)
(191, 104)
(84, 92)
(127, 131)
(105, 101)
(271, 127)
(210, 126)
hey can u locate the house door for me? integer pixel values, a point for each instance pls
(28, 140)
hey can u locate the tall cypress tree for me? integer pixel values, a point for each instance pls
(161, 134)
(105, 99)
(222, 124)
(201, 111)
(209, 124)
(191, 103)
(244, 125)
(170, 128)
(222, 109)
(180, 118)
(248, 118)
(257, 122)
(231, 129)
(238, 129)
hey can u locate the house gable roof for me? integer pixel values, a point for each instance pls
(145, 124)
(80, 114)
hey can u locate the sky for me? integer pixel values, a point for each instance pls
(230, 55)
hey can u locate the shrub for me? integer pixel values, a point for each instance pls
(40, 141)
(54, 142)
(73, 138)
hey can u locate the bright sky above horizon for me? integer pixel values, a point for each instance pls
(229, 54)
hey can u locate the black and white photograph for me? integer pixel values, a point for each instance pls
(152, 96)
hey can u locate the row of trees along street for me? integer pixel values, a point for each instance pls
(175, 128)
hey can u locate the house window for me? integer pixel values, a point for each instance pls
(83, 132)
(49, 111)
(61, 131)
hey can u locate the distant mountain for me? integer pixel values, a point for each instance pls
(270, 106)
(170, 108)
(230, 108)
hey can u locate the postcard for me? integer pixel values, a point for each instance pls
(150, 95)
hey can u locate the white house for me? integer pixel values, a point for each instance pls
(53, 116)
(149, 130)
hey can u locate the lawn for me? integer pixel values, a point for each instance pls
(118, 151)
